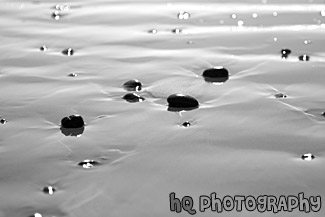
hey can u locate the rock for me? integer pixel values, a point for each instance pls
(304, 57)
(216, 74)
(132, 85)
(285, 53)
(179, 102)
(73, 121)
(133, 97)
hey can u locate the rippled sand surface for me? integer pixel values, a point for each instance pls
(242, 140)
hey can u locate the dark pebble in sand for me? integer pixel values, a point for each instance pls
(88, 163)
(73, 74)
(179, 102)
(133, 97)
(285, 53)
(49, 190)
(304, 57)
(308, 157)
(216, 74)
(323, 114)
(153, 31)
(186, 124)
(56, 15)
(132, 85)
(177, 31)
(3, 121)
(43, 48)
(68, 51)
(280, 95)
(73, 121)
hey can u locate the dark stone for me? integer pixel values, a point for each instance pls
(133, 97)
(304, 57)
(73, 121)
(43, 48)
(285, 53)
(88, 163)
(3, 121)
(323, 114)
(179, 102)
(73, 74)
(49, 190)
(186, 124)
(68, 51)
(132, 85)
(177, 31)
(280, 95)
(216, 74)
(308, 157)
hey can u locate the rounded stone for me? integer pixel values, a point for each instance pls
(304, 57)
(186, 124)
(323, 114)
(88, 163)
(133, 97)
(216, 74)
(43, 48)
(3, 121)
(285, 53)
(49, 190)
(73, 121)
(69, 51)
(280, 95)
(132, 85)
(308, 157)
(180, 101)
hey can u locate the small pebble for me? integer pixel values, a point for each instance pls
(216, 74)
(133, 97)
(153, 31)
(177, 31)
(186, 124)
(280, 95)
(182, 102)
(285, 53)
(73, 121)
(73, 74)
(3, 121)
(308, 157)
(304, 57)
(68, 51)
(43, 48)
(323, 114)
(132, 85)
(88, 163)
(56, 15)
(49, 190)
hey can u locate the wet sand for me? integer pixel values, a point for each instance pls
(242, 139)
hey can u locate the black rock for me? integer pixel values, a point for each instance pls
(49, 190)
(88, 163)
(304, 57)
(323, 114)
(133, 97)
(308, 157)
(179, 102)
(3, 121)
(186, 124)
(73, 121)
(285, 53)
(280, 95)
(216, 74)
(132, 85)
(68, 51)
(43, 48)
